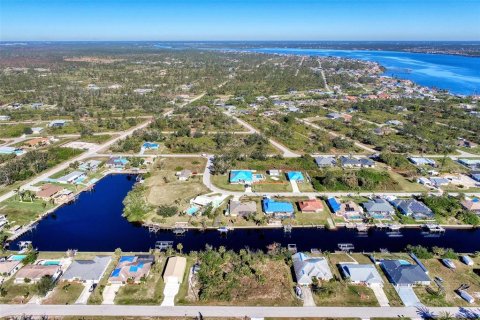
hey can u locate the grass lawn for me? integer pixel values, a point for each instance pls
(453, 279)
(148, 292)
(221, 181)
(100, 138)
(65, 293)
(406, 185)
(341, 293)
(312, 218)
(272, 187)
(21, 213)
(16, 293)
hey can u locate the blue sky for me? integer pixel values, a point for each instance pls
(239, 20)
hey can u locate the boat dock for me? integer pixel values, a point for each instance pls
(434, 228)
(346, 247)
(163, 245)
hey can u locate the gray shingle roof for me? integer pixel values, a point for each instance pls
(378, 205)
(87, 269)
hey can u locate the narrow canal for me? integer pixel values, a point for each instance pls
(95, 223)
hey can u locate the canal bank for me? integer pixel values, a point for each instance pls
(95, 223)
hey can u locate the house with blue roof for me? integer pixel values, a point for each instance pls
(277, 209)
(131, 269)
(241, 177)
(333, 204)
(295, 176)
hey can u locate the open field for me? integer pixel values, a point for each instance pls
(64, 293)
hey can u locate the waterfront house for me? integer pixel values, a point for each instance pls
(311, 206)
(87, 270)
(307, 267)
(72, 177)
(403, 273)
(280, 210)
(184, 175)
(295, 176)
(132, 269)
(175, 270)
(348, 210)
(365, 274)
(57, 123)
(48, 191)
(90, 165)
(9, 267)
(325, 162)
(241, 177)
(241, 209)
(413, 208)
(35, 272)
(471, 204)
(116, 163)
(421, 161)
(379, 208)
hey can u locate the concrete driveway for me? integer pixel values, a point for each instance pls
(294, 186)
(308, 297)
(408, 296)
(169, 292)
(380, 295)
(83, 298)
(110, 292)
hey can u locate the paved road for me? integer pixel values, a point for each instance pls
(217, 311)
(287, 153)
(208, 183)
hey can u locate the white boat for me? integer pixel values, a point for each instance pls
(449, 263)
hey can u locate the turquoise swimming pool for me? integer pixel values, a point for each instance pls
(51, 263)
(17, 257)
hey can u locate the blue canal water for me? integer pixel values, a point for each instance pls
(95, 223)
(457, 74)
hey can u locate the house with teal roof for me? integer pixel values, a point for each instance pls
(295, 176)
(241, 176)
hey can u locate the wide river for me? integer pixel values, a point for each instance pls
(95, 223)
(457, 74)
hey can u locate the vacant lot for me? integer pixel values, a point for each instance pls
(243, 279)
(164, 188)
(65, 293)
(16, 293)
(463, 274)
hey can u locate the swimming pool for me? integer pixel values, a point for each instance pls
(404, 262)
(51, 263)
(17, 257)
(191, 211)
